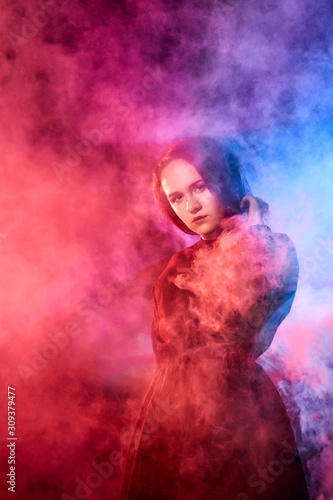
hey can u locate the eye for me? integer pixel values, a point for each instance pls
(176, 199)
(199, 188)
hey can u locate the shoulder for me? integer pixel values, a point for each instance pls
(280, 248)
(283, 251)
(264, 231)
(178, 263)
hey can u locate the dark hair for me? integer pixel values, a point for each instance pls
(217, 165)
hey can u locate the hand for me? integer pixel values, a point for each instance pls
(257, 208)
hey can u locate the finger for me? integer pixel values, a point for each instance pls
(244, 199)
(245, 205)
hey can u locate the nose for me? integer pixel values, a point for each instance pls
(192, 204)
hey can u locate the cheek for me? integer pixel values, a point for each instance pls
(214, 205)
(209, 197)
(179, 210)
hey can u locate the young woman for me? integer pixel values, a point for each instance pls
(212, 425)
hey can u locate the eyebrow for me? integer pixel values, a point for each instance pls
(190, 187)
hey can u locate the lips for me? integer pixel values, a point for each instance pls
(199, 218)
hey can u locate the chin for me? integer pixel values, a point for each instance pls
(207, 232)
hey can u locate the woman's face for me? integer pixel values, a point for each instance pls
(190, 198)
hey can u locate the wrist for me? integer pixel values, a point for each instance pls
(260, 228)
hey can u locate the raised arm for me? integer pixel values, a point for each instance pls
(281, 298)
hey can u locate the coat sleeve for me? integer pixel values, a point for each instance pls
(165, 340)
(154, 331)
(280, 298)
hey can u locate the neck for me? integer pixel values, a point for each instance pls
(226, 224)
(213, 234)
